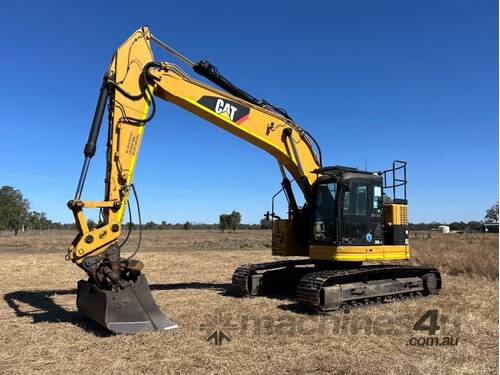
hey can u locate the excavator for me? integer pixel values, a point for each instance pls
(333, 249)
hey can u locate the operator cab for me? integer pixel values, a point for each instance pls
(347, 207)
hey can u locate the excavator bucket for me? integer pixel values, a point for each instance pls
(130, 310)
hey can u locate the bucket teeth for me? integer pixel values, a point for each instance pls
(129, 310)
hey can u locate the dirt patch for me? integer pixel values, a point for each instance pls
(57, 241)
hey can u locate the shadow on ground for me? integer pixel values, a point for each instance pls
(43, 309)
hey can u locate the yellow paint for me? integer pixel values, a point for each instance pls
(263, 128)
(101, 237)
(395, 214)
(124, 143)
(226, 119)
(98, 204)
(359, 253)
(140, 132)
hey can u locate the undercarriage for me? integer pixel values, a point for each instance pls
(328, 286)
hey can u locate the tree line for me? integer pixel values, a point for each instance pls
(468, 227)
(230, 221)
(491, 216)
(16, 215)
(188, 225)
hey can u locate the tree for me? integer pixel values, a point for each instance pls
(474, 226)
(163, 225)
(234, 220)
(150, 225)
(37, 220)
(187, 225)
(458, 226)
(266, 223)
(223, 221)
(14, 209)
(492, 214)
(231, 221)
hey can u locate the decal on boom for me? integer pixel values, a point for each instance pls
(227, 108)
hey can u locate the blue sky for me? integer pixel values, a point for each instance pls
(381, 80)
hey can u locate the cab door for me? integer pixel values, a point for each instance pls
(361, 212)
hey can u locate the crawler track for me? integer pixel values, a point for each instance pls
(243, 282)
(377, 283)
(330, 289)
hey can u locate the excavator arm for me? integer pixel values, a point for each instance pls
(129, 87)
(131, 84)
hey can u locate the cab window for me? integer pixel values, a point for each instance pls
(356, 199)
(377, 199)
(324, 214)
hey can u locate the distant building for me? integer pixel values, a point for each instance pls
(443, 229)
(490, 228)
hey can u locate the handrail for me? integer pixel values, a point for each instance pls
(273, 215)
(396, 182)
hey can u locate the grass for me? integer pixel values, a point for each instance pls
(57, 241)
(475, 255)
(41, 330)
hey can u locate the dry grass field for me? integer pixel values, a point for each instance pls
(189, 272)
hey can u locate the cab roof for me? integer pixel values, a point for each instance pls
(338, 170)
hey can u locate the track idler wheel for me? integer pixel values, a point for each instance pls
(430, 282)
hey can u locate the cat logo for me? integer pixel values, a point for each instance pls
(227, 108)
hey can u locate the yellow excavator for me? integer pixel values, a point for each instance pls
(351, 223)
